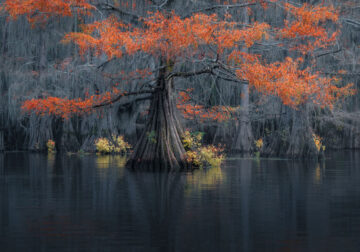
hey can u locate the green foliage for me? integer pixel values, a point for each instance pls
(267, 131)
(284, 135)
(192, 140)
(115, 145)
(199, 155)
(151, 136)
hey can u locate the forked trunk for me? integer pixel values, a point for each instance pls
(160, 146)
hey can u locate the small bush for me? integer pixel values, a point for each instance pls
(116, 144)
(318, 143)
(259, 144)
(50, 144)
(192, 140)
(200, 155)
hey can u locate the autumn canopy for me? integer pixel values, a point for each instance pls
(169, 36)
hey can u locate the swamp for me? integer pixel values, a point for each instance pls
(179, 125)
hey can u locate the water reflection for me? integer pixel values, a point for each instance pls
(204, 178)
(156, 201)
(106, 161)
(90, 203)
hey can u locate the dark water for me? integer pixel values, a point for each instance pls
(50, 203)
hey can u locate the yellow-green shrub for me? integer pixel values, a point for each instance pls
(116, 144)
(200, 155)
(50, 144)
(318, 143)
(192, 140)
(211, 155)
(259, 143)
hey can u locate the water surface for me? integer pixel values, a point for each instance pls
(90, 203)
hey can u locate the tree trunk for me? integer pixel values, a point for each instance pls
(58, 130)
(244, 138)
(293, 137)
(4, 38)
(2, 145)
(301, 141)
(160, 146)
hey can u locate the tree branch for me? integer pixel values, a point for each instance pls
(243, 82)
(208, 70)
(329, 52)
(343, 74)
(125, 105)
(219, 7)
(122, 95)
(102, 65)
(106, 6)
(351, 21)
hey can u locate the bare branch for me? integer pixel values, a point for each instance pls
(243, 82)
(126, 105)
(110, 7)
(329, 52)
(208, 70)
(219, 7)
(102, 65)
(122, 95)
(352, 21)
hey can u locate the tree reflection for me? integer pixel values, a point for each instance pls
(89, 202)
(156, 201)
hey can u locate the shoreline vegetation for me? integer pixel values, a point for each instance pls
(201, 156)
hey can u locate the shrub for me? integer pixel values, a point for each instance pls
(199, 155)
(259, 144)
(116, 144)
(318, 143)
(192, 140)
(50, 144)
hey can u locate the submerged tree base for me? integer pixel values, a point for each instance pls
(297, 141)
(160, 146)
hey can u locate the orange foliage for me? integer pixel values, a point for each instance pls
(215, 113)
(64, 107)
(41, 10)
(167, 36)
(291, 84)
(190, 111)
(307, 24)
